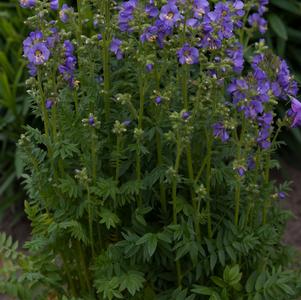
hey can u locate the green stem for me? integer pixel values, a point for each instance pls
(90, 216)
(160, 163)
(84, 269)
(188, 148)
(237, 203)
(208, 183)
(118, 157)
(159, 147)
(140, 123)
(94, 156)
(174, 203)
(75, 96)
(106, 60)
(240, 141)
(68, 273)
(42, 105)
(267, 176)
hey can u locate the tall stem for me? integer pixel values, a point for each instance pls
(140, 121)
(117, 158)
(94, 156)
(90, 216)
(68, 273)
(267, 175)
(83, 266)
(188, 148)
(160, 149)
(208, 182)
(106, 59)
(160, 163)
(174, 202)
(240, 141)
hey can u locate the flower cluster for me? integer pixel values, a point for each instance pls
(257, 20)
(269, 79)
(68, 67)
(126, 14)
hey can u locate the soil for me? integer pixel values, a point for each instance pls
(21, 230)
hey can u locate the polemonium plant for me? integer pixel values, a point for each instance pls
(151, 176)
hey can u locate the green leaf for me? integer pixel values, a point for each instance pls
(108, 218)
(221, 257)
(150, 240)
(218, 281)
(288, 6)
(202, 290)
(213, 260)
(215, 296)
(250, 285)
(260, 282)
(278, 26)
(132, 281)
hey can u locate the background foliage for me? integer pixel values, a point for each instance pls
(14, 104)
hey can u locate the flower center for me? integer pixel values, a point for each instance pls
(170, 15)
(200, 11)
(188, 58)
(39, 56)
(152, 38)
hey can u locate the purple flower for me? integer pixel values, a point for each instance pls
(126, 123)
(115, 48)
(48, 104)
(241, 171)
(170, 13)
(238, 89)
(266, 119)
(65, 12)
(149, 67)
(38, 54)
(150, 34)
(296, 112)
(193, 23)
(257, 21)
(54, 4)
(251, 163)
(219, 131)
(200, 8)
(263, 138)
(33, 38)
(284, 80)
(188, 55)
(186, 115)
(281, 195)
(99, 37)
(158, 101)
(69, 48)
(151, 10)
(68, 67)
(91, 120)
(32, 69)
(236, 54)
(126, 14)
(27, 3)
(163, 30)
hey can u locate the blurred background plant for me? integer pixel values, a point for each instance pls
(14, 105)
(284, 36)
